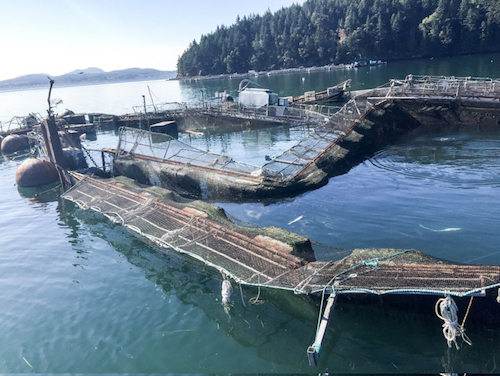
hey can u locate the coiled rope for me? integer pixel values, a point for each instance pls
(446, 309)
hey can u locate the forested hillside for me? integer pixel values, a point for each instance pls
(322, 32)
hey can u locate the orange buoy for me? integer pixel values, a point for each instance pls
(15, 142)
(35, 172)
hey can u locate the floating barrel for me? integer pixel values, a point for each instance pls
(13, 143)
(35, 172)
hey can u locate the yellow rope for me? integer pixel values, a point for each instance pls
(467, 312)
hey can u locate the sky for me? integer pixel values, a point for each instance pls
(59, 36)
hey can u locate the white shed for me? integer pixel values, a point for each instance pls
(257, 98)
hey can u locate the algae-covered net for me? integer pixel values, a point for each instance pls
(269, 256)
(247, 255)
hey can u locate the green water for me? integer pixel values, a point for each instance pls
(79, 294)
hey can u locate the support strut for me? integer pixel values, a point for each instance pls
(314, 351)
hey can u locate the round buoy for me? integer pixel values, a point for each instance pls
(14, 142)
(35, 172)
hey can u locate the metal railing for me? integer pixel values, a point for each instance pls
(18, 123)
(445, 86)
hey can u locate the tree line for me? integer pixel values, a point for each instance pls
(322, 32)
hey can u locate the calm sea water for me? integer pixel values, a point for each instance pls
(79, 294)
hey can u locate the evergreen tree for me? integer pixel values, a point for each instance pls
(320, 32)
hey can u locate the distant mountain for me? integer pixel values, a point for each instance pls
(87, 76)
(90, 70)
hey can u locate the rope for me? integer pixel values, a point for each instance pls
(467, 312)
(227, 290)
(241, 294)
(451, 328)
(255, 300)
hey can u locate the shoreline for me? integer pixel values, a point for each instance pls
(73, 84)
(253, 73)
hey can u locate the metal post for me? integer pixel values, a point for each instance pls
(314, 351)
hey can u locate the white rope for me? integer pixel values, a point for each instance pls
(448, 312)
(227, 290)
(241, 294)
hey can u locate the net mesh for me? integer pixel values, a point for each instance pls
(164, 147)
(445, 86)
(292, 161)
(263, 256)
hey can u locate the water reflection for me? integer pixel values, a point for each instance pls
(462, 160)
(43, 194)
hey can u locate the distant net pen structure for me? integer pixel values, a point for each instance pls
(275, 258)
(445, 86)
(19, 125)
(159, 159)
(366, 123)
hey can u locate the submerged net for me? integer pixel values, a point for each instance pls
(247, 256)
(270, 256)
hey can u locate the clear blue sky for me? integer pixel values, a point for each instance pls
(59, 36)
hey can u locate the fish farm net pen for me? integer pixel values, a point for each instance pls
(275, 258)
(269, 256)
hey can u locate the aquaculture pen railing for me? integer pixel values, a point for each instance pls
(283, 167)
(466, 87)
(165, 107)
(288, 164)
(283, 113)
(18, 123)
(162, 147)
